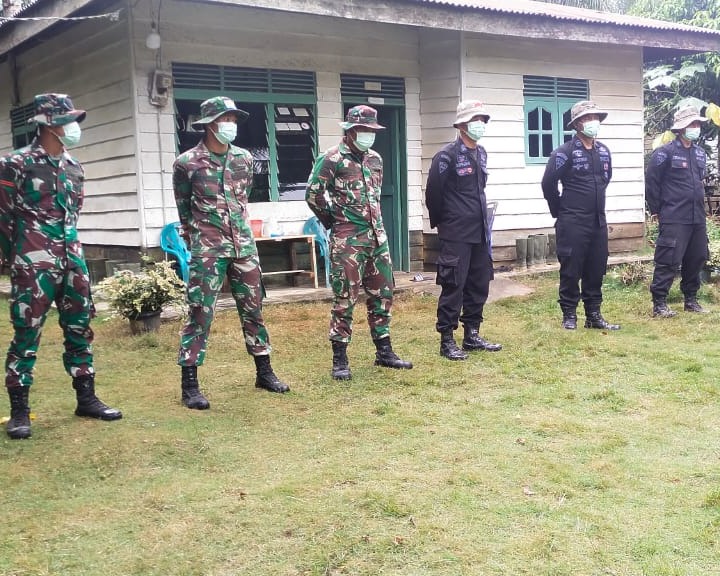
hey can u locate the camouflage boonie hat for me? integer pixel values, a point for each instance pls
(584, 108)
(361, 116)
(468, 109)
(215, 107)
(686, 116)
(55, 110)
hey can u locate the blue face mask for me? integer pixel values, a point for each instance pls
(72, 135)
(692, 134)
(476, 129)
(364, 140)
(226, 132)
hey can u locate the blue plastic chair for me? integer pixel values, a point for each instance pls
(491, 210)
(322, 239)
(172, 243)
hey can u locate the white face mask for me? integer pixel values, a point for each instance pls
(226, 132)
(476, 129)
(364, 140)
(591, 128)
(72, 135)
(692, 134)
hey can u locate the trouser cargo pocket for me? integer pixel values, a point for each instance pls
(447, 271)
(665, 251)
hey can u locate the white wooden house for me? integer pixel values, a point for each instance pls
(297, 65)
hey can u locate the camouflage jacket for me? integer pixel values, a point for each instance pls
(212, 201)
(344, 192)
(40, 202)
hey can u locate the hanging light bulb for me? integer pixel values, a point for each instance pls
(153, 38)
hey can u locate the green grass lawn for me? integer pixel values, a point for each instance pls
(568, 453)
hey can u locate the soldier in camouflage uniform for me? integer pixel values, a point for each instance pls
(41, 194)
(344, 193)
(211, 183)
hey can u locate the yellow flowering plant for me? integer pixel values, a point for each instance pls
(133, 295)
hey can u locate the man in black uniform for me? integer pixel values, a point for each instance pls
(455, 199)
(584, 167)
(674, 190)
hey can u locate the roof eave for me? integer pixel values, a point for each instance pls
(424, 15)
(13, 34)
(478, 20)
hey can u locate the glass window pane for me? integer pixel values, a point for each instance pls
(252, 135)
(534, 146)
(566, 118)
(547, 145)
(533, 119)
(546, 120)
(295, 138)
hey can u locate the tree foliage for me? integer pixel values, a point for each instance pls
(601, 5)
(703, 13)
(678, 82)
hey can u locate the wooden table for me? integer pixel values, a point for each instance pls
(290, 243)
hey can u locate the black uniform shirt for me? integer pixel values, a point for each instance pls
(585, 175)
(455, 194)
(674, 186)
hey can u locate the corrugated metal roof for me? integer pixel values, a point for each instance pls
(567, 13)
(26, 5)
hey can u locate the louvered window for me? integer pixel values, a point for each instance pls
(372, 89)
(280, 132)
(547, 113)
(22, 132)
(236, 79)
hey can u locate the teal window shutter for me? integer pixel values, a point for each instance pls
(270, 127)
(563, 113)
(22, 132)
(547, 112)
(388, 90)
(540, 119)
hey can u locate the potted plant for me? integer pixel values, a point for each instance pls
(140, 297)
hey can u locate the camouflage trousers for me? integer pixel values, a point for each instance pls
(206, 278)
(33, 291)
(352, 266)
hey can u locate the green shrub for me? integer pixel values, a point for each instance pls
(632, 273)
(713, 232)
(651, 229)
(132, 295)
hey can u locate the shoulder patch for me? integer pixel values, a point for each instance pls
(560, 160)
(442, 166)
(660, 157)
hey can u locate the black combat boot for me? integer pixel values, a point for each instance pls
(90, 405)
(661, 310)
(692, 305)
(384, 356)
(569, 321)
(340, 364)
(449, 349)
(191, 396)
(595, 320)
(18, 427)
(473, 341)
(266, 378)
